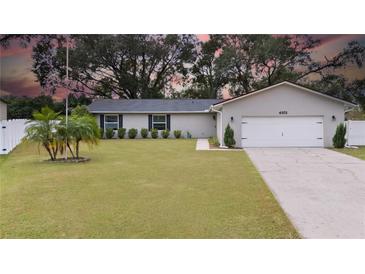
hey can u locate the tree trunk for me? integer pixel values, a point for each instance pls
(49, 151)
(54, 151)
(77, 149)
(73, 155)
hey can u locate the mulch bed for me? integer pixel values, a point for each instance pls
(213, 147)
(69, 160)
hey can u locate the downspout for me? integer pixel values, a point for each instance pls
(221, 113)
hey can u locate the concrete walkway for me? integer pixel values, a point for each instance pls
(202, 144)
(322, 191)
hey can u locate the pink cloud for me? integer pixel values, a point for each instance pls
(20, 87)
(203, 37)
(60, 94)
(27, 87)
(333, 38)
(15, 49)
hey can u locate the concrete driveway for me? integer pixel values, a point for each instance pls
(322, 191)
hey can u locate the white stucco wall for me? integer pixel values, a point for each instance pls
(285, 97)
(137, 121)
(3, 111)
(200, 125)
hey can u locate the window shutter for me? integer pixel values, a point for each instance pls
(102, 121)
(120, 121)
(168, 121)
(149, 122)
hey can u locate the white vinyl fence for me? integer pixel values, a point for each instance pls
(355, 133)
(11, 134)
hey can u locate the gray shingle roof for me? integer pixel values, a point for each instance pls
(151, 105)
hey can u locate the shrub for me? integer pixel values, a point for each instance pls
(339, 139)
(214, 141)
(229, 137)
(165, 133)
(121, 133)
(154, 133)
(109, 133)
(177, 134)
(132, 133)
(144, 132)
(101, 133)
(188, 135)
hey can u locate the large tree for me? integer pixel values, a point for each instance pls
(126, 66)
(339, 86)
(248, 62)
(206, 79)
(357, 88)
(153, 66)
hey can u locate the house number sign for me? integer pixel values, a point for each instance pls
(283, 112)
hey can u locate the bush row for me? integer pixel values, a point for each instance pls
(132, 133)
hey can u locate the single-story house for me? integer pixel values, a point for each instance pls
(3, 110)
(282, 115)
(187, 115)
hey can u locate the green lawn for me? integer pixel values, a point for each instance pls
(359, 153)
(138, 189)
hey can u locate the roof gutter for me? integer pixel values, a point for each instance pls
(146, 112)
(221, 133)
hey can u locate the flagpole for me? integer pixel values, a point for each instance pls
(66, 95)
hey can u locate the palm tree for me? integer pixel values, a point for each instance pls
(63, 135)
(51, 132)
(83, 128)
(43, 130)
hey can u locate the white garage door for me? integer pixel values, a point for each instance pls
(282, 132)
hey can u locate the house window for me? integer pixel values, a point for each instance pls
(159, 122)
(111, 121)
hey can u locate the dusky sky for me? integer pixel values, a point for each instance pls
(16, 77)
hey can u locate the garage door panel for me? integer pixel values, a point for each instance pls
(282, 132)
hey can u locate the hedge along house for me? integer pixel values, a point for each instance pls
(187, 115)
(282, 115)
